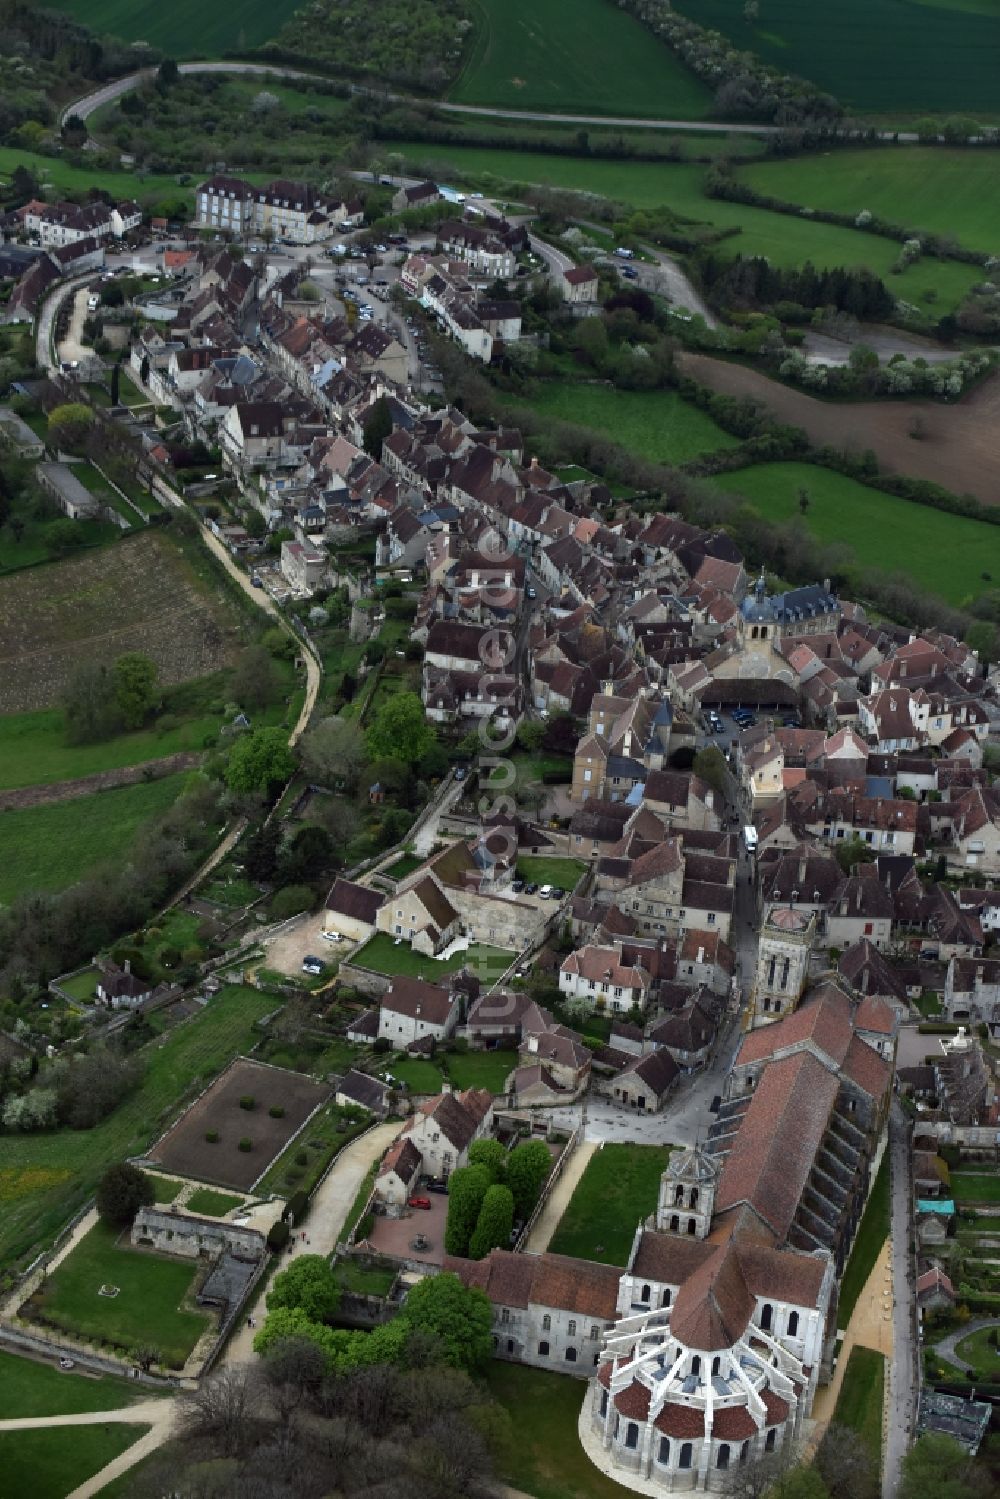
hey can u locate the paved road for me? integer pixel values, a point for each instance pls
(900, 1418)
(946, 1347)
(47, 314)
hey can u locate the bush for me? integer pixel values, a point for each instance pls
(301, 1158)
(212, 1136)
(276, 1111)
(278, 1235)
(121, 1192)
(296, 1206)
(246, 1144)
(247, 1101)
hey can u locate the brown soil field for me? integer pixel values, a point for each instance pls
(960, 449)
(141, 594)
(184, 1151)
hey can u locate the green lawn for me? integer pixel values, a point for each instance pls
(859, 1404)
(401, 867)
(52, 846)
(28, 1388)
(876, 56)
(82, 986)
(935, 286)
(164, 1190)
(970, 1187)
(929, 1004)
(50, 1462)
(419, 1075)
(185, 29)
(929, 188)
(64, 175)
(978, 1351)
(618, 1187)
(480, 1069)
(544, 1456)
(873, 1231)
(539, 870)
(148, 1307)
(381, 954)
(529, 767)
(32, 546)
(34, 752)
(944, 554)
(45, 1178)
(211, 1204)
(528, 54)
(657, 424)
(364, 1280)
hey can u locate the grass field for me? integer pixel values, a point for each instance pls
(948, 192)
(480, 1069)
(381, 954)
(44, 1178)
(184, 29)
(873, 1231)
(211, 1204)
(879, 56)
(363, 1280)
(63, 175)
(52, 846)
(49, 1463)
(28, 1388)
(419, 1075)
(32, 545)
(164, 1190)
(618, 1187)
(967, 1187)
(944, 554)
(785, 240)
(859, 1404)
(563, 873)
(544, 1456)
(657, 424)
(147, 1308)
(527, 54)
(978, 1351)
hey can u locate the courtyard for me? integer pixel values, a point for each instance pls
(619, 1187)
(393, 1237)
(205, 1143)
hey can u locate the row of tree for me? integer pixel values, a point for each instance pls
(495, 1190)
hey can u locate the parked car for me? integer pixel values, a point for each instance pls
(312, 965)
(629, 273)
(331, 937)
(530, 592)
(547, 892)
(517, 886)
(441, 1187)
(531, 889)
(419, 1202)
(459, 772)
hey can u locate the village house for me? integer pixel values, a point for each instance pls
(443, 1128)
(413, 1010)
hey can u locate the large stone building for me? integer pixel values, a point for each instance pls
(786, 940)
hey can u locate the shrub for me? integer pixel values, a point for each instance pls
(276, 1111)
(278, 1235)
(301, 1158)
(296, 1206)
(212, 1136)
(247, 1101)
(246, 1144)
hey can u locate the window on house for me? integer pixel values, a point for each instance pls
(684, 1461)
(793, 1324)
(543, 1350)
(645, 1293)
(632, 1435)
(510, 1345)
(595, 1332)
(663, 1451)
(766, 1313)
(744, 1453)
(546, 1323)
(571, 1328)
(505, 1314)
(770, 1439)
(571, 1355)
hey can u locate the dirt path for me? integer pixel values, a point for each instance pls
(101, 780)
(870, 1327)
(548, 1219)
(960, 449)
(73, 346)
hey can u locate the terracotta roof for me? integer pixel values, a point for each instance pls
(669, 1259)
(680, 1421)
(777, 1409)
(633, 1401)
(864, 1066)
(403, 1157)
(576, 1286)
(714, 1305)
(823, 1017)
(733, 1423)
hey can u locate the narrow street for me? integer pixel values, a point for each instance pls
(901, 1413)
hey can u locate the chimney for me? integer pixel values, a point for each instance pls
(128, 965)
(802, 869)
(701, 955)
(826, 585)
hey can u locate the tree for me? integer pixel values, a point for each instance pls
(333, 753)
(494, 1224)
(259, 762)
(308, 1285)
(308, 855)
(845, 1464)
(491, 1154)
(121, 1192)
(224, 1408)
(530, 735)
(377, 427)
(255, 525)
(135, 678)
(116, 378)
(466, 1189)
(936, 1467)
(167, 73)
(290, 900)
(293, 1370)
(709, 765)
(260, 860)
(528, 1165)
(400, 731)
(255, 679)
(70, 426)
(459, 1317)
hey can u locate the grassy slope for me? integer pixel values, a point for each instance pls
(28, 1388)
(50, 847)
(658, 424)
(151, 1290)
(879, 56)
(920, 187)
(62, 174)
(785, 240)
(532, 54)
(186, 28)
(44, 1178)
(618, 1188)
(33, 751)
(859, 1404)
(944, 553)
(49, 1463)
(873, 1231)
(545, 1457)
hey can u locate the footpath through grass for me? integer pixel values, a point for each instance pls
(944, 554)
(544, 1456)
(53, 846)
(873, 1231)
(50, 1462)
(859, 1404)
(619, 1187)
(45, 1178)
(534, 55)
(28, 1388)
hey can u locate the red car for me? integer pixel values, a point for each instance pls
(419, 1202)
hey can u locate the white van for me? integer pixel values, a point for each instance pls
(750, 839)
(624, 254)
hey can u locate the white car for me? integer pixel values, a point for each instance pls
(331, 937)
(545, 893)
